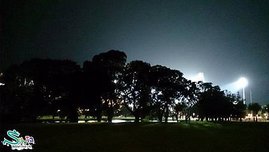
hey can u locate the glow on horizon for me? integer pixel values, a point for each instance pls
(236, 85)
(198, 77)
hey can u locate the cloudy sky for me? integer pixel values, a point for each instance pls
(223, 39)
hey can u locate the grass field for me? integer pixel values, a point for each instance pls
(147, 137)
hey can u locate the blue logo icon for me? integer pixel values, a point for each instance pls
(17, 142)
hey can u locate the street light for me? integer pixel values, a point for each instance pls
(242, 83)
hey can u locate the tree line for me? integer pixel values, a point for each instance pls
(107, 86)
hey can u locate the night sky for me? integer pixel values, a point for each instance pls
(223, 39)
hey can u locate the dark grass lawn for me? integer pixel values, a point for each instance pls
(147, 137)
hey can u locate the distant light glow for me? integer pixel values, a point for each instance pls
(2, 84)
(199, 77)
(235, 86)
(242, 82)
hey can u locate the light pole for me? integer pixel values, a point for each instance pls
(242, 83)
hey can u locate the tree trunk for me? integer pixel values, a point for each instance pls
(99, 118)
(187, 116)
(136, 119)
(73, 115)
(160, 117)
(110, 114)
(177, 116)
(166, 113)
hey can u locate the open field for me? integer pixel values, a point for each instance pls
(146, 137)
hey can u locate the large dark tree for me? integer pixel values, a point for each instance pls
(254, 108)
(95, 85)
(239, 108)
(167, 86)
(189, 97)
(135, 89)
(36, 85)
(110, 67)
(213, 103)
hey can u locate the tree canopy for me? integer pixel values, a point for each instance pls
(107, 85)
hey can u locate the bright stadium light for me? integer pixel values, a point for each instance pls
(241, 84)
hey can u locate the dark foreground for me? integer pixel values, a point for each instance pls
(146, 137)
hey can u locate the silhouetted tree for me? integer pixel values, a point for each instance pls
(213, 103)
(239, 108)
(135, 89)
(94, 86)
(179, 109)
(189, 97)
(111, 65)
(167, 86)
(254, 108)
(10, 101)
(104, 85)
(36, 84)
